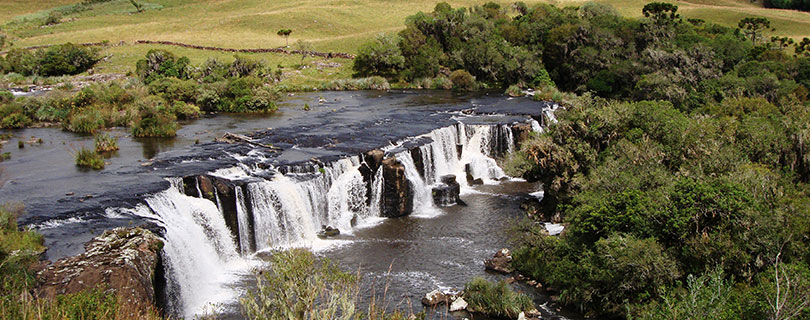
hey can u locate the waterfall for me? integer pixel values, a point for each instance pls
(422, 199)
(290, 209)
(199, 251)
(477, 152)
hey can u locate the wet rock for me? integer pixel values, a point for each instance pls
(397, 195)
(190, 186)
(372, 160)
(416, 156)
(521, 132)
(434, 298)
(227, 205)
(328, 231)
(207, 188)
(447, 192)
(458, 305)
(124, 261)
(477, 181)
(501, 262)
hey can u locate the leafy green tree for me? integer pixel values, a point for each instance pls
(284, 32)
(754, 26)
(381, 57)
(661, 12)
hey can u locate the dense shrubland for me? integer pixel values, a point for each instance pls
(679, 164)
(589, 49)
(691, 206)
(65, 59)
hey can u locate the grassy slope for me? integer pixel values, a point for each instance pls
(331, 25)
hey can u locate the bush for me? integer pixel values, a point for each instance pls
(185, 111)
(86, 120)
(160, 64)
(153, 120)
(105, 143)
(495, 299)
(372, 83)
(514, 91)
(54, 17)
(88, 158)
(6, 96)
(298, 286)
(173, 89)
(462, 80)
(64, 59)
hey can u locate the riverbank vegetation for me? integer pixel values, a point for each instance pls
(495, 299)
(680, 169)
(298, 285)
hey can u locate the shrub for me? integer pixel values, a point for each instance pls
(54, 17)
(86, 120)
(66, 59)
(243, 66)
(105, 143)
(15, 120)
(514, 91)
(184, 110)
(495, 299)
(161, 63)
(298, 286)
(6, 96)
(153, 120)
(173, 89)
(88, 158)
(372, 83)
(462, 80)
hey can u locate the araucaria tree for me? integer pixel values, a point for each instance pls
(284, 32)
(753, 27)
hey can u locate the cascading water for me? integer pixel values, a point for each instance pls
(289, 209)
(199, 251)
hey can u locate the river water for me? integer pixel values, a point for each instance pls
(282, 198)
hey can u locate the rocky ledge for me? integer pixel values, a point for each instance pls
(124, 261)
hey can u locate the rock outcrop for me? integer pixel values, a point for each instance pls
(447, 192)
(501, 262)
(397, 197)
(125, 261)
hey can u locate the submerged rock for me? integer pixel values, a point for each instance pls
(328, 231)
(501, 262)
(124, 261)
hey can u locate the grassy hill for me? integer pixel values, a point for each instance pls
(331, 25)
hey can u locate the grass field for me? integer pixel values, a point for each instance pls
(331, 25)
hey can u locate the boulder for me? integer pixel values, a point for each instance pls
(328, 231)
(447, 192)
(124, 261)
(434, 298)
(397, 196)
(501, 262)
(458, 305)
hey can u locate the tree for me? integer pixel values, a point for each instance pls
(753, 27)
(381, 57)
(303, 47)
(284, 32)
(803, 48)
(661, 12)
